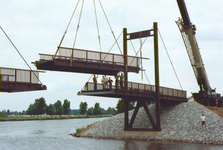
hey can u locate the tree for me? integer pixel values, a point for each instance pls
(31, 110)
(66, 107)
(42, 105)
(51, 110)
(102, 111)
(59, 107)
(4, 113)
(90, 111)
(97, 109)
(38, 108)
(121, 106)
(24, 112)
(111, 111)
(8, 112)
(83, 108)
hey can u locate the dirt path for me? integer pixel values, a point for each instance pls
(217, 110)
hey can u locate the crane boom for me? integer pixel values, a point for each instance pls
(188, 31)
(196, 60)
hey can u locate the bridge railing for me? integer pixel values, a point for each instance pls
(18, 75)
(173, 92)
(89, 86)
(92, 56)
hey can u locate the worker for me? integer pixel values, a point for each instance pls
(103, 82)
(110, 82)
(116, 81)
(121, 80)
(203, 121)
(106, 82)
(95, 81)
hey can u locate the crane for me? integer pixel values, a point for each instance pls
(206, 95)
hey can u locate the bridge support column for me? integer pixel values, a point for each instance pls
(157, 84)
(126, 103)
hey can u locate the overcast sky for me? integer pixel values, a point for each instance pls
(37, 26)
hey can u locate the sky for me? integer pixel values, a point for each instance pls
(37, 27)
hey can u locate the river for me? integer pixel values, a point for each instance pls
(54, 135)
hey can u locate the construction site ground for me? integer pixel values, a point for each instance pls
(217, 110)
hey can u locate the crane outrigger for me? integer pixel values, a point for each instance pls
(206, 95)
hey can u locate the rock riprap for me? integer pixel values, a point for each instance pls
(179, 123)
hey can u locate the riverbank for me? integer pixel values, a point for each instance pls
(47, 117)
(179, 123)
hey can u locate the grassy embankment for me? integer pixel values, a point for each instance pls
(82, 130)
(25, 118)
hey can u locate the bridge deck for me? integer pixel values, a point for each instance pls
(19, 80)
(85, 61)
(135, 92)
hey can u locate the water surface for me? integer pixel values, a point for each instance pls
(54, 135)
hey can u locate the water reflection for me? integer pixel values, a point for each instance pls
(153, 145)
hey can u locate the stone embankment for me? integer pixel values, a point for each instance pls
(179, 123)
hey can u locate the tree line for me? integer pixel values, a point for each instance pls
(5, 113)
(40, 107)
(97, 110)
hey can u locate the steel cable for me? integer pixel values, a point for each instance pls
(170, 60)
(97, 25)
(67, 28)
(20, 54)
(78, 25)
(110, 27)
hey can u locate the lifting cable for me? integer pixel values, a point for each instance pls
(78, 25)
(67, 28)
(105, 55)
(116, 40)
(110, 27)
(96, 18)
(87, 81)
(20, 55)
(146, 77)
(139, 48)
(142, 43)
(141, 56)
(113, 45)
(170, 60)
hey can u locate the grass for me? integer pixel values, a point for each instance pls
(82, 130)
(25, 118)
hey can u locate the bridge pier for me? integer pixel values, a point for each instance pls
(129, 124)
(142, 34)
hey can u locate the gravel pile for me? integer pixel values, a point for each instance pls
(179, 123)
